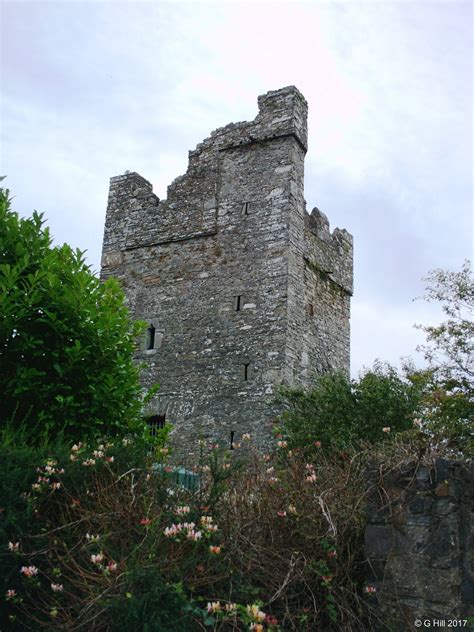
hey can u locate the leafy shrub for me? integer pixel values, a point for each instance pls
(66, 340)
(271, 544)
(339, 413)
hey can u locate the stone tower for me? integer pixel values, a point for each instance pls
(241, 288)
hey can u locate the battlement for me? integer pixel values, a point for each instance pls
(242, 289)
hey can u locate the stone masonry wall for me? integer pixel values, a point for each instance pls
(224, 269)
(419, 545)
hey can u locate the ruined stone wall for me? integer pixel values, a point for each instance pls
(419, 545)
(218, 269)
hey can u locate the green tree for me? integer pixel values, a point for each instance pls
(66, 340)
(449, 402)
(340, 412)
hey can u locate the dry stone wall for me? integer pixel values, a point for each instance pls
(243, 289)
(419, 544)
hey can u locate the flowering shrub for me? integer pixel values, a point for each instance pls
(275, 545)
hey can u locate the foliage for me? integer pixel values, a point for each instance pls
(106, 541)
(448, 405)
(450, 345)
(66, 341)
(338, 412)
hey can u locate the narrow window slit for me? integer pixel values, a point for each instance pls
(237, 303)
(246, 208)
(150, 338)
(245, 371)
(232, 433)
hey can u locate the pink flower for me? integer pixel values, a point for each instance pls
(282, 444)
(10, 594)
(97, 559)
(332, 554)
(29, 571)
(317, 444)
(145, 521)
(281, 514)
(326, 578)
(112, 567)
(109, 459)
(215, 549)
(370, 589)
(312, 478)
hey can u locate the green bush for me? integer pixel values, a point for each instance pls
(118, 545)
(338, 412)
(66, 340)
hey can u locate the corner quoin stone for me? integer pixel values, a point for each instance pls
(242, 289)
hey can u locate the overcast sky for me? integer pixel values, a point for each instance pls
(90, 89)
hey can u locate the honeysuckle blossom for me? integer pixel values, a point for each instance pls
(98, 454)
(215, 549)
(51, 463)
(230, 607)
(282, 444)
(332, 554)
(10, 594)
(246, 436)
(194, 535)
(73, 457)
(272, 479)
(311, 478)
(29, 571)
(76, 447)
(255, 613)
(98, 558)
(417, 423)
(126, 441)
(214, 606)
(92, 538)
(208, 523)
(326, 578)
(266, 458)
(256, 627)
(271, 620)
(57, 587)
(182, 510)
(88, 462)
(109, 459)
(55, 485)
(36, 487)
(291, 509)
(112, 567)
(281, 514)
(270, 470)
(386, 429)
(317, 444)
(145, 521)
(14, 547)
(370, 589)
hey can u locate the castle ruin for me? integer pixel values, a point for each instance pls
(241, 288)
